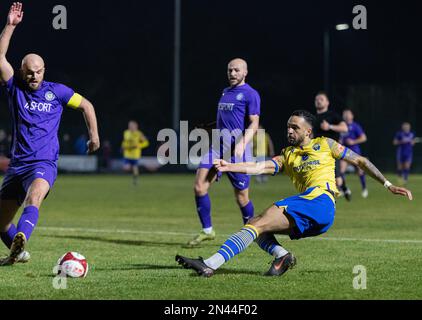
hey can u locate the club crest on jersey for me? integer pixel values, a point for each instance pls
(239, 97)
(316, 147)
(49, 96)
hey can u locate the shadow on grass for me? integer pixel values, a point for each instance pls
(124, 242)
(141, 266)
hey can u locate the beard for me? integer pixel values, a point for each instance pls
(295, 141)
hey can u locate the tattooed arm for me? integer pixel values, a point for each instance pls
(341, 152)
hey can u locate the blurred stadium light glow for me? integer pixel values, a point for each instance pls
(342, 26)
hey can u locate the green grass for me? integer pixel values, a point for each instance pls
(83, 212)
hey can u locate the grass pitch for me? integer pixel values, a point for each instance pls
(130, 236)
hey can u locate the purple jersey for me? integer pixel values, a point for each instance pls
(407, 147)
(355, 131)
(235, 106)
(36, 117)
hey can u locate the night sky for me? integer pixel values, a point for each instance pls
(120, 56)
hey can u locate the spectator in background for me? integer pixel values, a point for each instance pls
(80, 146)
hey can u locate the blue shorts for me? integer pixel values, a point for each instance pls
(132, 162)
(20, 176)
(239, 181)
(313, 212)
(403, 157)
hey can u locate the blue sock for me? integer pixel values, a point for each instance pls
(7, 237)
(238, 242)
(28, 221)
(363, 181)
(247, 212)
(269, 243)
(203, 207)
(406, 174)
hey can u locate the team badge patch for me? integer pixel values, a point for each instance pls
(239, 97)
(316, 147)
(50, 96)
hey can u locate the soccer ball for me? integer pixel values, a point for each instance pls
(72, 264)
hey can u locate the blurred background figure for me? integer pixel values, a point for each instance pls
(4, 151)
(330, 124)
(263, 149)
(133, 143)
(404, 139)
(353, 139)
(80, 147)
(66, 144)
(106, 155)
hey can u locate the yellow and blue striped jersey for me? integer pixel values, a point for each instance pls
(133, 143)
(312, 165)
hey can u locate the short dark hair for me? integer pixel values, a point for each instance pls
(309, 117)
(323, 93)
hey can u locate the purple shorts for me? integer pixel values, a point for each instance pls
(239, 181)
(19, 178)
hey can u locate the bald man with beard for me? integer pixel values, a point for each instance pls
(237, 119)
(36, 107)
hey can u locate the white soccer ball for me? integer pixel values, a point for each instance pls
(72, 264)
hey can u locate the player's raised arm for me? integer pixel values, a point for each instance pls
(253, 168)
(341, 152)
(91, 123)
(14, 17)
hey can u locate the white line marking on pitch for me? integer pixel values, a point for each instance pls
(185, 234)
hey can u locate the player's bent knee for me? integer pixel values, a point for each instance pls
(200, 189)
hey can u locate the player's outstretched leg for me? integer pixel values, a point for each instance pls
(204, 179)
(8, 209)
(273, 220)
(28, 220)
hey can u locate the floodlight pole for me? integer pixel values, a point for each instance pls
(176, 70)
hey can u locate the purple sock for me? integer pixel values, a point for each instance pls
(7, 237)
(203, 207)
(247, 212)
(363, 181)
(28, 221)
